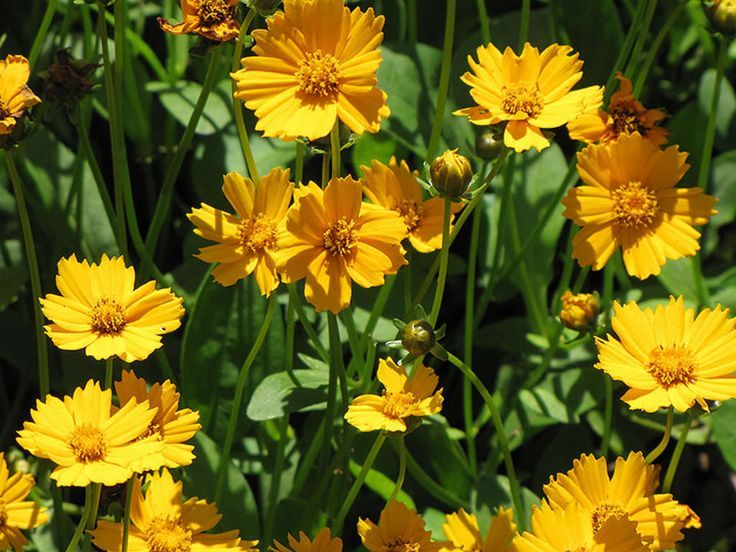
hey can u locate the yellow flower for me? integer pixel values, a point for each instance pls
(101, 311)
(323, 542)
(579, 310)
(212, 19)
(629, 200)
(15, 512)
(625, 115)
(670, 357)
(462, 530)
(15, 96)
(247, 240)
(88, 444)
(531, 92)
(315, 64)
(395, 187)
(332, 238)
(400, 529)
(451, 174)
(628, 494)
(170, 426)
(161, 521)
(569, 528)
(404, 398)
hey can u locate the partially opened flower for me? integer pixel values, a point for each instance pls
(315, 64)
(162, 521)
(332, 238)
(247, 239)
(15, 95)
(85, 440)
(212, 19)
(403, 399)
(16, 513)
(101, 311)
(323, 542)
(399, 528)
(670, 357)
(528, 92)
(461, 528)
(628, 200)
(170, 426)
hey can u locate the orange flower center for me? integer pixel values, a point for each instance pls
(168, 535)
(258, 233)
(108, 317)
(340, 238)
(88, 444)
(212, 12)
(634, 205)
(400, 545)
(671, 366)
(626, 120)
(319, 76)
(411, 212)
(398, 405)
(603, 512)
(522, 97)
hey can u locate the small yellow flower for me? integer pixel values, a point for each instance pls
(451, 174)
(247, 240)
(529, 92)
(86, 441)
(404, 398)
(461, 528)
(579, 310)
(15, 512)
(15, 95)
(670, 357)
(212, 19)
(101, 311)
(162, 521)
(399, 529)
(323, 542)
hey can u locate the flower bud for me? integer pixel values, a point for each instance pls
(418, 337)
(265, 7)
(451, 174)
(579, 311)
(722, 15)
(488, 145)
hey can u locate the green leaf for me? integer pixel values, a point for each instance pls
(677, 277)
(687, 130)
(179, 100)
(723, 186)
(279, 394)
(723, 421)
(382, 485)
(12, 281)
(726, 102)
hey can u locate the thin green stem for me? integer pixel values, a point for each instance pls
(710, 129)
(660, 448)
(402, 469)
(79, 531)
(444, 258)
(325, 170)
(642, 38)
(238, 398)
(335, 148)
(120, 13)
(126, 513)
(307, 461)
(607, 417)
(278, 469)
(411, 16)
(42, 33)
(429, 484)
(96, 494)
(485, 27)
(336, 358)
(378, 306)
(250, 161)
(524, 24)
(669, 476)
(109, 370)
(32, 261)
(439, 115)
(305, 323)
(299, 162)
(623, 53)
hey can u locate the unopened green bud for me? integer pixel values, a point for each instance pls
(418, 337)
(265, 7)
(488, 145)
(451, 174)
(722, 15)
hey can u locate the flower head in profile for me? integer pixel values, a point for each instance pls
(323, 542)
(625, 115)
(16, 513)
(579, 310)
(461, 529)
(246, 239)
(101, 311)
(628, 200)
(161, 520)
(399, 528)
(528, 92)
(85, 440)
(315, 64)
(332, 238)
(628, 494)
(670, 357)
(404, 398)
(15, 95)
(170, 426)
(212, 19)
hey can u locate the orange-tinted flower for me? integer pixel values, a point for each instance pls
(15, 95)
(212, 19)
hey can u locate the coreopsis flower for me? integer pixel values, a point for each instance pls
(461, 529)
(395, 187)
(323, 542)
(170, 426)
(625, 115)
(163, 521)
(247, 239)
(332, 238)
(101, 311)
(15, 95)
(399, 528)
(451, 174)
(85, 440)
(629, 201)
(670, 357)
(405, 398)
(627, 494)
(529, 92)
(212, 19)
(316, 63)
(16, 513)
(579, 310)
(569, 528)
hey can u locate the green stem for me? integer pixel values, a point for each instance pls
(411, 16)
(642, 38)
(299, 162)
(335, 149)
(500, 435)
(238, 398)
(444, 258)
(72, 546)
(378, 306)
(524, 24)
(119, 13)
(608, 417)
(307, 461)
(439, 115)
(109, 369)
(126, 513)
(660, 448)
(669, 476)
(485, 27)
(305, 323)
(250, 161)
(325, 170)
(336, 359)
(96, 494)
(402, 470)
(278, 469)
(429, 484)
(32, 260)
(43, 31)
(623, 53)
(710, 129)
